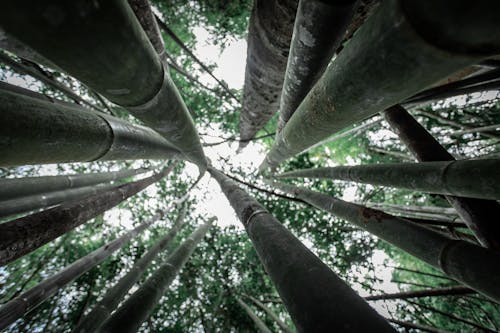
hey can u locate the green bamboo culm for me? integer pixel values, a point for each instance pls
(310, 290)
(132, 313)
(261, 326)
(467, 178)
(319, 28)
(30, 299)
(87, 39)
(34, 130)
(271, 314)
(45, 200)
(102, 310)
(389, 59)
(23, 235)
(470, 264)
(11, 188)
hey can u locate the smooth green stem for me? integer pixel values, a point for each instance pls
(316, 298)
(30, 299)
(467, 178)
(102, 310)
(474, 266)
(20, 187)
(136, 309)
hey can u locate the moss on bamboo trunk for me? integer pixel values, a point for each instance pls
(37, 131)
(472, 265)
(102, 310)
(132, 313)
(30, 299)
(387, 61)
(319, 28)
(102, 44)
(478, 214)
(23, 235)
(20, 187)
(316, 298)
(468, 178)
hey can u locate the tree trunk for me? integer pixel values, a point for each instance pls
(30, 299)
(257, 321)
(146, 18)
(23, 235)
(113, 296)
(21, 187)
(467, 178)
(268, 46)
(472, 265)
(36, 131)
(271, 314)
(25, 70)
(89, 42)
(478, 214)
(448, 291)
(316, 298)
(319, 28)
(390, 58)
(42, 201)
(136, 309)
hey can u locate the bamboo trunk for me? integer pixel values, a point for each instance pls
(389, 59)
(467, 178)
(113, 296)
(319, 28)
(25, 234)
(25, 70)
(447, 291)
(21, 187)
(478, 214)
(30, 299)
(472, 265)
(271, 314)
(257, 321)
(46, 200)
(89, 42)
(268, 46)
(316, 298)
(136, 309)
(37, 131)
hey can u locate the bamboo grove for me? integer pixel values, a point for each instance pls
(115, 116)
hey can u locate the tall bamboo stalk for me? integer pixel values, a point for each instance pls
(257, 321)
(478, 214)
(20, 187)
(271, 314)
(45, 200)
(467, 178)
(30, 299)
(89, 43)
(447, 291)
(113, 296)
(132, 313)
(268, 46)
(472, 265)
(25, 234)
(390, 58)
(34, 130)
(319, 28)
(316, 298)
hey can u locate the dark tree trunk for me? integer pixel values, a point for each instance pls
(480, 215)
